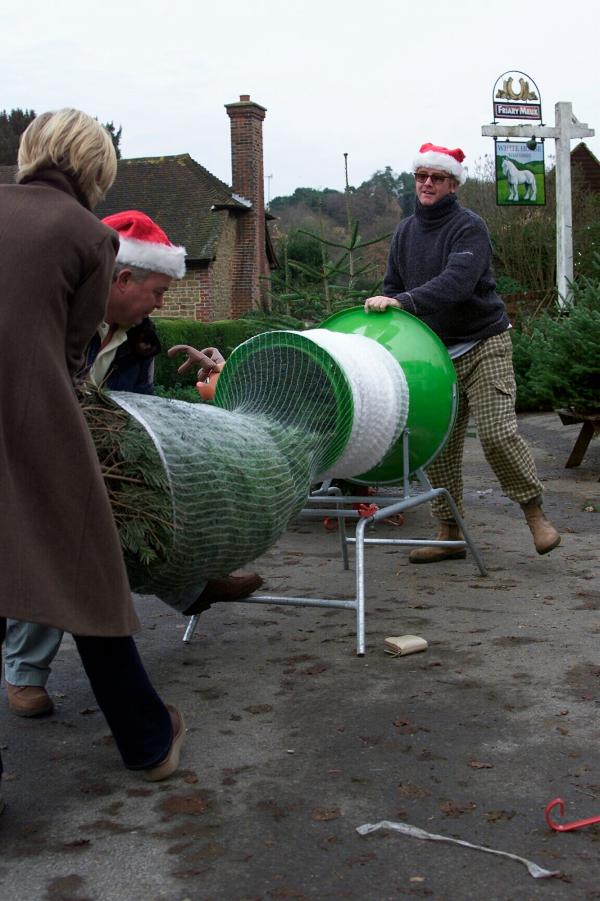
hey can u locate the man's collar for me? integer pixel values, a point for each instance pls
(438, 210)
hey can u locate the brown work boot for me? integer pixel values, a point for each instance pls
(545, 536)
(448, 531)
(231, 588)
(28, 700)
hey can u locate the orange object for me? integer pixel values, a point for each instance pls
(206, 389)
(365, 510)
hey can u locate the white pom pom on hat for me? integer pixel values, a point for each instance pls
(144, 244)
(434, 157)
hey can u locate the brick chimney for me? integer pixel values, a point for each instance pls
(247, 178)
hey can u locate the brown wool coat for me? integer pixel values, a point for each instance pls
(60, 558)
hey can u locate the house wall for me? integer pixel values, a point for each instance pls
(187, 296)
(222, 270)
(205, 293)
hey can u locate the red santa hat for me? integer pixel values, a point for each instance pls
(145, 245)
(434, 157)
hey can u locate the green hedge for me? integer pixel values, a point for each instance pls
(226, 335)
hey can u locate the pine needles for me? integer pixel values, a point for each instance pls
(136, 483)
(557, 356)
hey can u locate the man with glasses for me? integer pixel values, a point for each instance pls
(439, 269)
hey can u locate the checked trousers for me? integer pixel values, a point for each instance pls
(487, 392)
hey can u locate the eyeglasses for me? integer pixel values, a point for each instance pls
(422, 177)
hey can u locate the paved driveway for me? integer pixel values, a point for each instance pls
(294, 741)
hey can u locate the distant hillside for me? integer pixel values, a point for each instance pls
(377, 205)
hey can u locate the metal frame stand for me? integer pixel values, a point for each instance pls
(389, 506)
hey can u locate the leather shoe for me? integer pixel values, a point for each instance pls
(545, 536)
(231, 588)
(29, 700)
(167, 767)
(448, 531)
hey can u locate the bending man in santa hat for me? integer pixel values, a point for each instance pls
(120, 357)
(439, 269)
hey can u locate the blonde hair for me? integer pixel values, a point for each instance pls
(73, 142)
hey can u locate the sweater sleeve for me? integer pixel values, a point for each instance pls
(467, 261)
(393, 285)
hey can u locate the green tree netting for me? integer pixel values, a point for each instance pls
(234, 482)
(291, 380)
(236, 478)
(136, 482)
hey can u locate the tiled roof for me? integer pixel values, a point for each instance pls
(185, 200)
(583, 158)
(179, 194)
(7, 175)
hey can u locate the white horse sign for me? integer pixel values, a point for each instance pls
(520, 176)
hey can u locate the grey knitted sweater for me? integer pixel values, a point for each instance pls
(439, 269)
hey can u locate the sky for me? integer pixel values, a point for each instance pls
(371, 78)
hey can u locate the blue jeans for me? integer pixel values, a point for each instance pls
(138, 719)
(30, 647)
(29, 650)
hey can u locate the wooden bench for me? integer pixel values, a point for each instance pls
(590, 427)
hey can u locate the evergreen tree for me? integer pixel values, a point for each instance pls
(12, 126)
(115, 136)
(557, 354)
(401, 187)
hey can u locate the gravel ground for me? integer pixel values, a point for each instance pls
(294, 741)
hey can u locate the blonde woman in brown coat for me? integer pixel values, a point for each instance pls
(60, 558)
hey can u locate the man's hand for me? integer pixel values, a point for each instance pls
(207, 359)
(380, 303)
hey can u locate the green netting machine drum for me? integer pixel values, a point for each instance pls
(431, 378)
(355, 384)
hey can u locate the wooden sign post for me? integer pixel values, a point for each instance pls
(566, 128)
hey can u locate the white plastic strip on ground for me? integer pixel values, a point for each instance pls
(380, 394)
(414, 832)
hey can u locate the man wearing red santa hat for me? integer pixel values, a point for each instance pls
(439, 269)
(120, 357)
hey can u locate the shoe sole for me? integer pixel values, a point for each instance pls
(547, 550)
(171, 761)
(45, 711)
(460, 555)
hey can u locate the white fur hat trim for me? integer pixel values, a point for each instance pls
(166, 258)
(435, 159)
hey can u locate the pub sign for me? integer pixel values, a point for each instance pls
(519, 164)
(520, 173)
